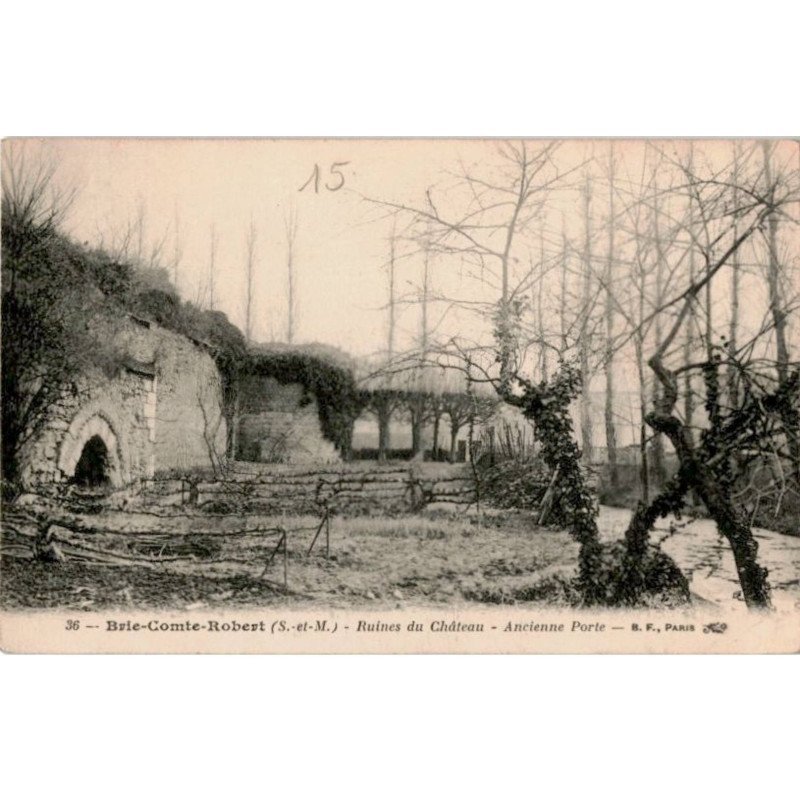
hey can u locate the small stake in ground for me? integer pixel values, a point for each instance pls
(281, 543)
(325, 522)
(285, 564)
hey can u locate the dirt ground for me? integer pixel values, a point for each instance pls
(380, 562)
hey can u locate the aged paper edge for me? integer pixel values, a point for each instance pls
(400, 631)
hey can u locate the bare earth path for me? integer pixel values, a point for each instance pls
(706, 558)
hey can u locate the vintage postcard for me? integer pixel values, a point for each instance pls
(400, 396)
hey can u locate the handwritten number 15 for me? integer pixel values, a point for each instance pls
(335, 171)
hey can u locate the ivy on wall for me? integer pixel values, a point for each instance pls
(339, 401)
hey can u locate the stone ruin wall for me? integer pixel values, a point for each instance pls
(162, 412)
(113, 409)
(190, 429)
(279, 424)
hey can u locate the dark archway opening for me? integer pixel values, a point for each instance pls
(92, 467)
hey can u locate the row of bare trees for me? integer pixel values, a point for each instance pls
(290, 221)
(135, 243)
(401, 385)
(433, 407)
(645, 251)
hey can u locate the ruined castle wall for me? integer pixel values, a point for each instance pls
(162, 411)
(114, 409)
(279, 424)
(190, 426)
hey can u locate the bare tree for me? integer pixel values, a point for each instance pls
(177, 248)
(690, 328)
(132, 243)
(418, 403)
(609, 314)
(750, 423)
(777, 306)
(290, 228)
(733, 330)
(486, 233)
(633, 308)
(384, 401)
(659, 468)
(33, 201)
(212, 266)
(563, 295)
(584, 342)
(391, 302)
(464, 409)
(250, 267)
(537, 304)
(54, 328)
(685, 224)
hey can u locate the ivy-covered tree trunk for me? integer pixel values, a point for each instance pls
(669, 501)
(702, 470)
(692, 475)
(734, 527)
(715, 495)
(659, 469)
(547, 405)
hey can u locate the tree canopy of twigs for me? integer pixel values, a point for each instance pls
(685, 224)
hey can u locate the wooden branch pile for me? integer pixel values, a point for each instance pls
(62, 536)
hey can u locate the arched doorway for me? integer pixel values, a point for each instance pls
(91, 454)
(92, 469)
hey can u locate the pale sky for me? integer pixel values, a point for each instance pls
(341, 247)
(342, 240)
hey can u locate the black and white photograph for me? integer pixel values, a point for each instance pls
(399, 400)
(432, 395)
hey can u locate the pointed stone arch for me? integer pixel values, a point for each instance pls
(96, 421)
